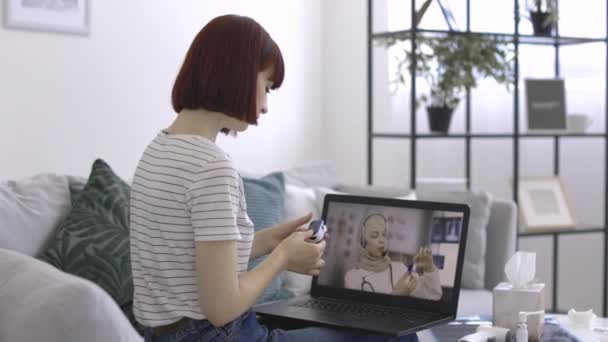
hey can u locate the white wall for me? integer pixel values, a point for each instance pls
(66, 100)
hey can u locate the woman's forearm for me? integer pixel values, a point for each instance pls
(263, 243)
(224, 294)
(252, 284)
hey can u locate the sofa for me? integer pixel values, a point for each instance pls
(48, 222)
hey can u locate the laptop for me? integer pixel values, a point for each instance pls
(392, 266)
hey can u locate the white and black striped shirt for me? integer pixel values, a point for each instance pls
(185, 189)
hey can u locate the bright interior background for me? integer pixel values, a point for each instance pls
(581, 160)
(68, 99)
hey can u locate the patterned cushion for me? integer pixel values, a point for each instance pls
(265, 197)
(93, 240)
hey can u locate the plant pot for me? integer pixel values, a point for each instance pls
(439, 118)
(538, 19)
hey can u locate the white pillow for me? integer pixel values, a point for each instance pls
(30, 209)
(377, 191)
(42, 303)
(298, 202)
(320, 193)
(315, 173)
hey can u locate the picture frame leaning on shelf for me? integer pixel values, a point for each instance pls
(544, 205)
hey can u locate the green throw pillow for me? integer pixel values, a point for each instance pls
(93, 240)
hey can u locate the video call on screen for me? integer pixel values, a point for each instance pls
(392, 250)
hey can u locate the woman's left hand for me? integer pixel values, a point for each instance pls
(281, 231)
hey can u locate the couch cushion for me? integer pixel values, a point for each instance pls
(265, 199)
(318, 173)
(369, 191)
(49, 305)
(298, 202)
(376, 191)
(93, 240)
(473, 272)
(30, 210)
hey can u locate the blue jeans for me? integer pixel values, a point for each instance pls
(247, 328)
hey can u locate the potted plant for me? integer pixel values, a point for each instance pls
(543, 15)
(450, 64)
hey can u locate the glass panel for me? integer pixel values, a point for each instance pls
(391, 15)
(492, 16)
(395, 15)
(582, 163)
(435, 17)
(536, 157)
(491, 108)
(585, 82)
(543, 247)
(391, 162)
(390, 101)
(580, 278)
(574, 19)
(441, 163)
(492, 166)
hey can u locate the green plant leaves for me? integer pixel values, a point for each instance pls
(452, 63)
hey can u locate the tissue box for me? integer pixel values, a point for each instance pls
(509, 301)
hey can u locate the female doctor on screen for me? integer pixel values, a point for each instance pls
(375, 272)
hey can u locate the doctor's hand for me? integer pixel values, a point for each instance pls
(424, 260)
(300, 255)
(406, 285)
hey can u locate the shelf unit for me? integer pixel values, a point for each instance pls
(516, 39)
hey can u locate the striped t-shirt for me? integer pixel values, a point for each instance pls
(185, 189)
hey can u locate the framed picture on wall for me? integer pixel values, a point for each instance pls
(62, 16)
(544, 205)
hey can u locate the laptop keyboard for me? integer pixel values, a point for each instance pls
(361, 310)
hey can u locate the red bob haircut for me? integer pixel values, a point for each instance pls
(221, 67)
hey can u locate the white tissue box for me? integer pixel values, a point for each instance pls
(509, 301)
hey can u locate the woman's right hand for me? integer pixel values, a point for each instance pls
(301, 255)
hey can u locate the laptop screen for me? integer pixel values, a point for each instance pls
(406, 249)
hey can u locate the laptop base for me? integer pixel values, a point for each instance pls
(293, 315)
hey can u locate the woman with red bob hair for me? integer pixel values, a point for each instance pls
(190, 235)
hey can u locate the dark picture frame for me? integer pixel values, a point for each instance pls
(546, 104)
